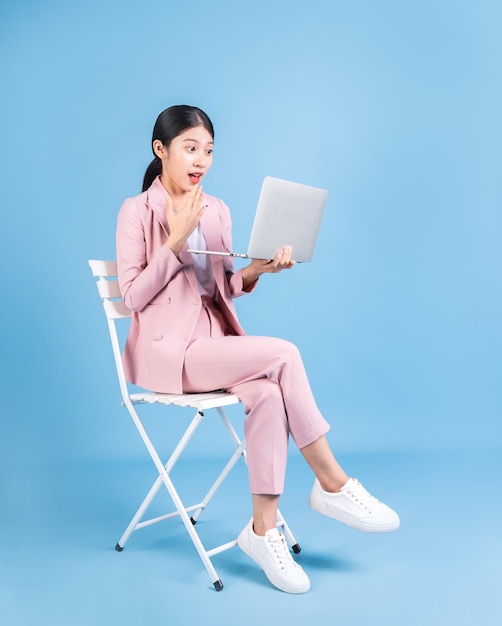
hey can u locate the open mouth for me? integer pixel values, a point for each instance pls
(195, 178)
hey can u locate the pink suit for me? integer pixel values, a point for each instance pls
(181, 342)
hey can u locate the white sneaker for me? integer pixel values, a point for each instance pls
(354, 506)
(273, 556)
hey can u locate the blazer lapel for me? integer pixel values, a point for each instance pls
(209, 223)
(156, 200)
(214, 241)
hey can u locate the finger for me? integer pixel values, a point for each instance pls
(286, 255)
(192, 200)
(200, 212)
(196, 198)
(277, 260)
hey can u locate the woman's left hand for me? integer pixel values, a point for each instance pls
(257, 267)
(281, 261)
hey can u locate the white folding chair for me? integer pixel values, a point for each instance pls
(115, 309)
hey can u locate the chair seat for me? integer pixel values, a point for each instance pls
(199, 401)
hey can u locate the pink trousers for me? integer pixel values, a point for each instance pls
(268, 376)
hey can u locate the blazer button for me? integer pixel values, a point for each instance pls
(157, 336)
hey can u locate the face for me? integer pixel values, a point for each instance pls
(187, 159)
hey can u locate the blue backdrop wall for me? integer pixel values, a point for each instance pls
(394, 107)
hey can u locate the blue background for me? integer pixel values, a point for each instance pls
(392, 106)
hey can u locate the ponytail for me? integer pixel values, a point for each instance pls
(152, 171)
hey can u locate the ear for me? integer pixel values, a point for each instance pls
(159, 148)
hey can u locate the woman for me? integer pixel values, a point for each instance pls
(185, 337)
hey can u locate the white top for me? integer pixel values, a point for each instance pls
(202, 264)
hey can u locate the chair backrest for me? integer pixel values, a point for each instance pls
(109, 291)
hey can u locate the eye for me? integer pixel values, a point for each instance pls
(191, 148)
(209, 152)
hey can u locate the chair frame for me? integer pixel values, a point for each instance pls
(115, 309)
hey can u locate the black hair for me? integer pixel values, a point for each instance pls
(171, 123)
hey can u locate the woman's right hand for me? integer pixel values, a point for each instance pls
(182, 221)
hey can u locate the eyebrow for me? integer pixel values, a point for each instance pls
(195, 141)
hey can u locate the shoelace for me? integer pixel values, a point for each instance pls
(362, 496)
(280, 551)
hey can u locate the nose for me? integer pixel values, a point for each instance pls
(200, 159)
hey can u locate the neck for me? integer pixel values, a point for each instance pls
(177, 195)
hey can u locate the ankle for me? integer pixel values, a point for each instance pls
(260, 527)
(333, 485)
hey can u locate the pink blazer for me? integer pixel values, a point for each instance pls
(162, 290)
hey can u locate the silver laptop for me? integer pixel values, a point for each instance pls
(288, 214)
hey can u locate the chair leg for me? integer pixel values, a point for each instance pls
(215, 579)
(181, 511)
(217, 483)
(138, 516)
(165, 478)
(295, 546)
(239, 451)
